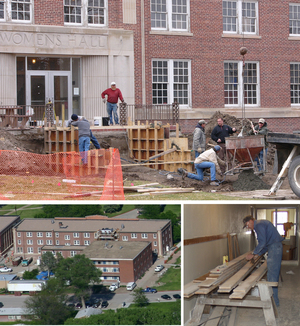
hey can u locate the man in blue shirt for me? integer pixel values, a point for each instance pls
(269, 240)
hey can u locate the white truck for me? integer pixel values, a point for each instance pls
(114, 286)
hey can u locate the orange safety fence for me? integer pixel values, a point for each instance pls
(58, 176)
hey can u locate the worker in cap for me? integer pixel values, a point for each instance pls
(112, 95)
(208, 159)
(199, 138)
(261, 129)
(269, 240)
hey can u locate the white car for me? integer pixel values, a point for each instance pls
(5, 270)
(158, 268)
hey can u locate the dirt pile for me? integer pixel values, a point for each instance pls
(248, 181)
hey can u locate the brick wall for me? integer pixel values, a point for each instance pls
(49, 12)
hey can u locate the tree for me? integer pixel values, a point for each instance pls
(30, 275)
(78, 272)
(140, 298)
(51, 211)
(48, 262)
(48, 306)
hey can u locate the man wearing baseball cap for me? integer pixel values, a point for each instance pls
(199, 138)
(112, 94)
(260, 129)
(208, 159)
(269, 240)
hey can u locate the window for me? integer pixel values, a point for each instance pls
(295, 83)
(49, 242)
(76, 242)
(233, 81)
(279, 218)
(57, 242)
(39, 234)
(56, 235)
(19, 249)
(125, 238)
(29, 234)
(19, 234)
(294, 19)
(86, 235)
(67, 237)
(133, 235)
(170, 81)
(72, 253)
(39, 250)
(144, 236)
(18, 10)
(40, 242)
(170, 15)
(86, 242)
(29, 242)
(76, 235)
(48, 234)
(240, 17)
(155, 243)
(83, 12)
(29, 250)
(19, 242)
(154, 235)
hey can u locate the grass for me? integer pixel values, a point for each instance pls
(176, 209)
(25, 211)
(170, 281)
(125, 209)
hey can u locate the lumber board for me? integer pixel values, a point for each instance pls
(219, 269)
(238, 277)
(201, 278)
(206, 290)
(215, 317)
(243, 288)
(165, 189)
(190, 289)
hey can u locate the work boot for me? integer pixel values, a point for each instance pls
(214, 183)
(182, 172)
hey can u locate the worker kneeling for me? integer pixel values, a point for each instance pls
(208, 159)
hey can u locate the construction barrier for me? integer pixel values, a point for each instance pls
(29, 176)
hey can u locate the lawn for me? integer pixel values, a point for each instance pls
(170, 281)
(125, 209)
(25, 211)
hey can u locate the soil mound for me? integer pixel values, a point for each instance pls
(248, 181)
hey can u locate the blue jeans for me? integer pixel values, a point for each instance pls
(112, 110)
(274, 265)
(94, 141)
(260, 159)
(199, 168)
(84, 146)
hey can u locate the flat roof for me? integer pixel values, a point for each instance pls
(90, 224)
(103, 250)
(6, 220)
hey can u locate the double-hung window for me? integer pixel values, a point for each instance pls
(295, 83)
(240, 17)
(85, 12)
(171, 81)
(294, 19)
(16, 11)
(170, 15)
(239, 88)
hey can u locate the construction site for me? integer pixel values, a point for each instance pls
(221, 286)
(137, 160)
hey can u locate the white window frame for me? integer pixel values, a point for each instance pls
(29, 241)
(241, 84)
(76, 242)
(133, 235)
(144, 235)
(29, 250)
(169, 82)
(48, 234)
(40, 242)
(157, 4)
(57, 242)
(19, 242)
(154, 236)
(240, 19)
(28, 234)
(76, 235)
(295, 84)
(39, 234)
(84, 15)
(72, 253)
(49, 242)
(67, 237)
(56, 235)
(86, 235)
(8, 11)
(124, 237)
(18, 234)
(155, 243)
(86, 242)
(294, 19)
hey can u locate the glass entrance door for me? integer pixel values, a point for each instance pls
(45, 86)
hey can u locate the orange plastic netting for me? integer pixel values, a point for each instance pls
(61, 175)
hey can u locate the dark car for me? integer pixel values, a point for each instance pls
(166, 297)
(1, 304)
(78, 305)
(176, 296)
(104, 304)
(150, 290)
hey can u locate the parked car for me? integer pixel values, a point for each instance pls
(78, 305)
(158, 268)
(130, 286)
(5, 270)
(150, 290)
(166, 297)
(176, 296)
(104, 304)
(1, 304)
(114, 286)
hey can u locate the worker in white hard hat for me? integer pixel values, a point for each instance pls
(260, 129)
(199, 138)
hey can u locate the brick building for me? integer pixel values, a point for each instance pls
(70, 236)
(7, 224)
(157, 51)
(120, 261)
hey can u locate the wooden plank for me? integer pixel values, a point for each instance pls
(245, 286)
(215, 317)
(190, 289)
(232, 318)
(188, 242)
(238, 277)
(266, 293)
(229, 247)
